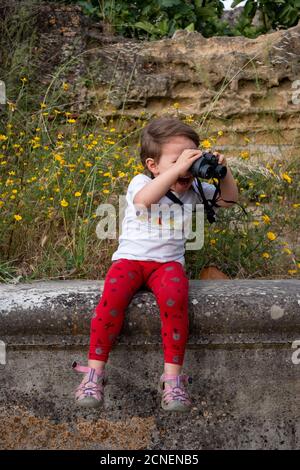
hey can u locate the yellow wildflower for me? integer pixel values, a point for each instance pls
(11, 106)
(245, 154)
(292, 271)
(206, 144)
(271, 236)
(286, 177)
(266, 219)
(17, 217)
(64, 203)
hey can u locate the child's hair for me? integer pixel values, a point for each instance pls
(158, 132)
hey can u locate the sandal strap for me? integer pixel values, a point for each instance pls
(176, 390)
(89, 389)
(175, 394)
(178, 378)
(89, 386)
(99, 372)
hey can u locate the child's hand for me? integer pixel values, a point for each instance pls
(185, 161)
(221, 159)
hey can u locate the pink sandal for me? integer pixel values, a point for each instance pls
(175, 397)
(90, 393)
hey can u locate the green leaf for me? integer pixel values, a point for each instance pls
(206, 12)
(288, 11)
(249, 9)
(150, 28)
(147, 10)
(198, 3)
(169, 3)
(190, 27)
(87, 7)
(235, 3)
(163, 27)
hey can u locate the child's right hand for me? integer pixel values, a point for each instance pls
(185, 161)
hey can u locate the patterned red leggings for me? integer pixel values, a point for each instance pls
(169, 283)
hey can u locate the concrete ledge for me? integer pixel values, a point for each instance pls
(246, 385)
(268, 309)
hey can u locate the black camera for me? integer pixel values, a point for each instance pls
(207, 167)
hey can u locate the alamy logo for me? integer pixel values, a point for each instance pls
(296, 354)
(2, 92)
(2, 352)
(161, 221)
(296, 93)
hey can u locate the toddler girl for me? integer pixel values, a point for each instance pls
(144, 258)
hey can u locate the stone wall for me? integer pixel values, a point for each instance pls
(241, 86)
(241, 354)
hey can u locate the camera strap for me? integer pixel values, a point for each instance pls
(210, 203)
(171, 195)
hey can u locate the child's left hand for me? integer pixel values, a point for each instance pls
(221, 158)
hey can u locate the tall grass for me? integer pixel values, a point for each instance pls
(57, 166)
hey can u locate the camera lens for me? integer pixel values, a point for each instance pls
(206, 171)
(194, 168)
(207, 167)
(220, 171)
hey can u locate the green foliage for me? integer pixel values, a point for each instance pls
(160, 18)
(153, 20)
(274, 14)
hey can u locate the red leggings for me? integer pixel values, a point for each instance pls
(169, 283)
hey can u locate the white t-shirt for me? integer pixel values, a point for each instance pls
(154, 235)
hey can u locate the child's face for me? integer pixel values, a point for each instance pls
(169, 154)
